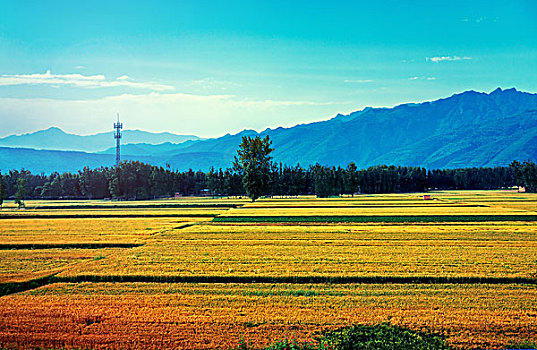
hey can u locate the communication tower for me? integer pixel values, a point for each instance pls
(117, 135)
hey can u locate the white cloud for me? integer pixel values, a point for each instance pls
(358, 81)
(78, 80)
(437, 59)
(422, 78)
(204, 115)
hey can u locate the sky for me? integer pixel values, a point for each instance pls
(214, 67)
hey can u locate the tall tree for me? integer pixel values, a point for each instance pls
(21, 191)
(254, 162)
(351, 180)
(2, 189)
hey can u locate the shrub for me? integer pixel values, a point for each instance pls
(382, 337)
(360, 337)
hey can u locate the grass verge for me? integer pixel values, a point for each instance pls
(384, 218)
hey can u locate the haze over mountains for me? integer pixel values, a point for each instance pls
(55, 138)
(464, 130)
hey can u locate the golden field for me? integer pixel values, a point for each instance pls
(208, 316)
(179, 201)
(83, 243)
(370, 211)
(330, 250)
(25, 264)
(112, 212)
(93, 230)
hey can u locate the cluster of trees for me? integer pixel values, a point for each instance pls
(254, 174)
(525, 174)
(129, 180)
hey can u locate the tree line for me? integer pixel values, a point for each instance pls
(136, 180)
(128, 180)
(255, 174)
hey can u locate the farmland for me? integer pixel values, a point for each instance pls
(202, 273)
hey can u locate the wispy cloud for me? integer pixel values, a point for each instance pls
(358, 81)
(437, 59)
(422, 78)
(78, 80)
(479, 20)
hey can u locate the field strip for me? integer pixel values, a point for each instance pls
(17, 287)
(377, 218)
(446, 205)
(106, 215)
(68, 245)
(134, 206)
(296, 279)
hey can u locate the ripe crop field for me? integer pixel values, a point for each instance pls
(25, 264)
(205, 316)
(330, 250)
(85, 231)
(373, 211)
(112, 212)
(165, 274)
(176, 203)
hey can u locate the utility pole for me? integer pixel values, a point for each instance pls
(117, 135)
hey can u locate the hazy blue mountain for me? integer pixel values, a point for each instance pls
(48, 161)
(464, 130)
(141, 149)
(56, 139)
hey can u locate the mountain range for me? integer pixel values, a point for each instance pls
(55, 138)
(465, 130)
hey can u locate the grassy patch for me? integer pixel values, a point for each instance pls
(526, 344)
(294, 280)
(67, 245)
(134, 206)
(104, 215)
(361, 337)
(358, 219)
(382, 337)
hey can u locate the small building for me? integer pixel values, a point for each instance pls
(427, 197)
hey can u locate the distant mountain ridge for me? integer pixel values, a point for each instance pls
(55, 138)
(465, 130)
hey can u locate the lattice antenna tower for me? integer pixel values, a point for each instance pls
(117, 135)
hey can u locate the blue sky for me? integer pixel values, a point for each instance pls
(213, 67)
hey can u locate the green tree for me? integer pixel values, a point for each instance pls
(2, 190)
(525, 174)
(21, 191)
(351, 181)
(254, 163)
